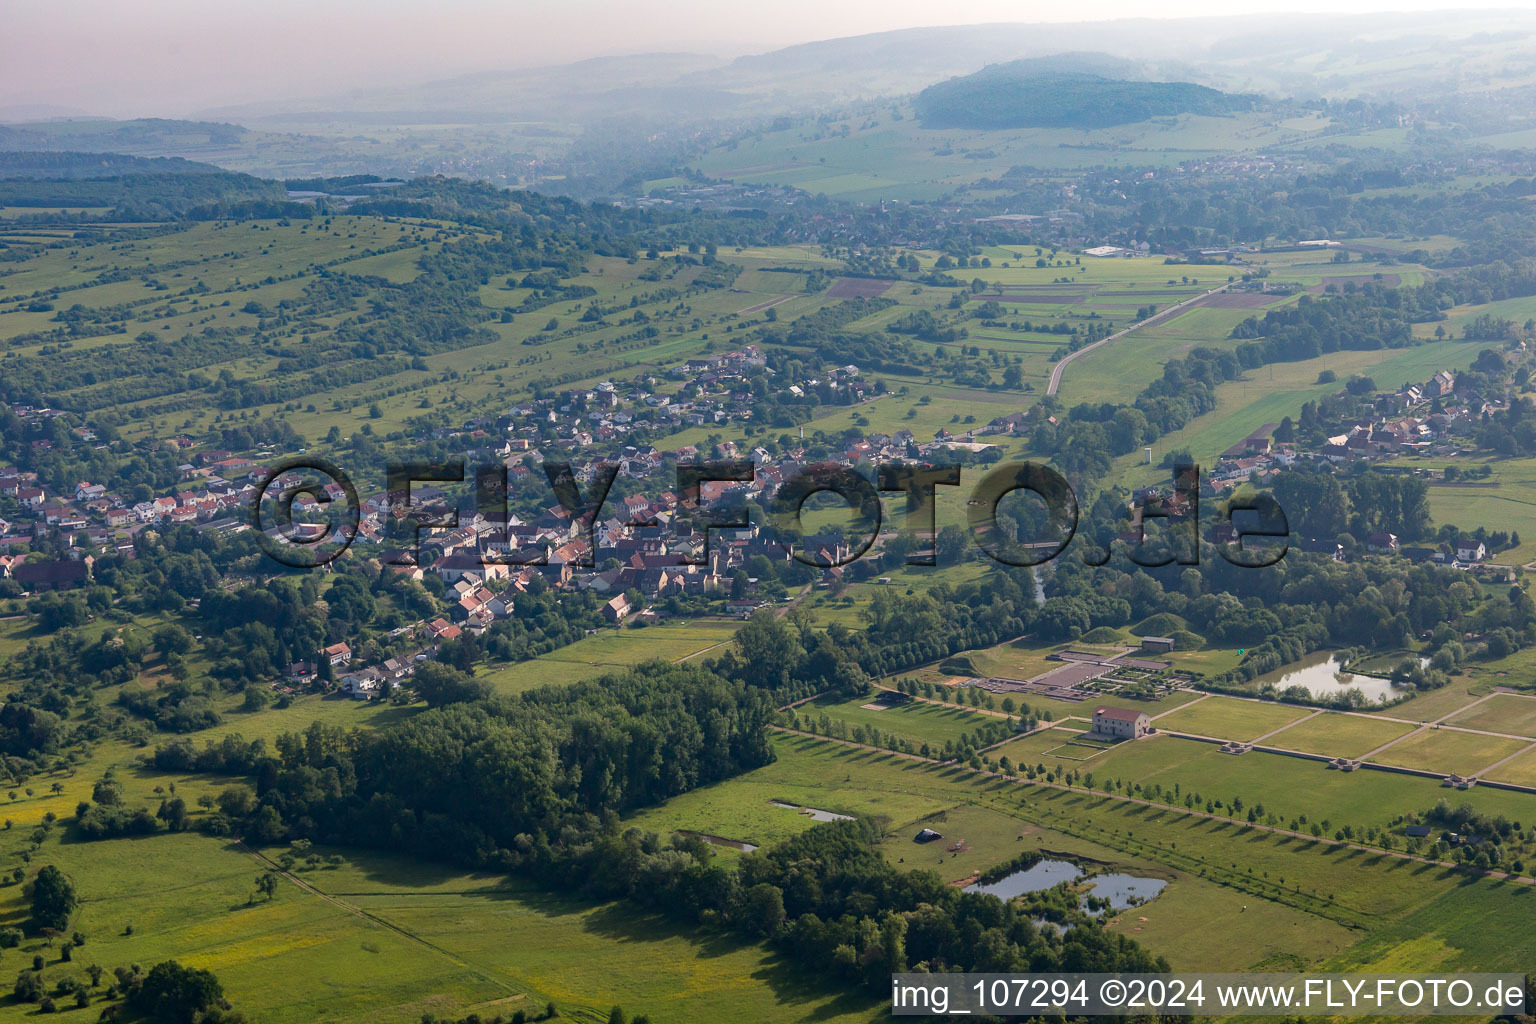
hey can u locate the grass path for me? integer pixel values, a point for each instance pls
(373, 919)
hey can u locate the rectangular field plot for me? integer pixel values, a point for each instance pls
(1433, 706)
(1290, 786)
(1521, 770)
(917, 721)
(586, 956)
(1446, 751)
(608, 652)
(1503, 712)
(1058, 744)
(1338, 735)
(808, 773)
(1229, 719)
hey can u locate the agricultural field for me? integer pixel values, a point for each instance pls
(1290, 787)
(1231, 719)
(192, 897)
(1503, 713)
(376, 938)
(1338, 735)
(1449, 751)
(610, 651)
(1273, 392)
(916, 721)
(1505, 500)
(863, 162)
(1435, 705)
(1520, 770)
(1299, 888)
(1065, 742)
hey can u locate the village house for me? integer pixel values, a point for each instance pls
(1121, 723)
(1381, 542)
(337, 654)
(62, 575)
(617, 609)
(364, 685)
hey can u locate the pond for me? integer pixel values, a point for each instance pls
(1038, 878)
(1125, 891)
(1121, 890)
(816, 813)
(734, 844)
(1322, 675)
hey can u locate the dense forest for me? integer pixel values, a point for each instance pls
(1016, 95)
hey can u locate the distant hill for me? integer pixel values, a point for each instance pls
(147, 136)
(73, 166)
(1019, 95)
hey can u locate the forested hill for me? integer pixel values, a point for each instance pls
(1017, 95)
(155, 196)
(75, 165)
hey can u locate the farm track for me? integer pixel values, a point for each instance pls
(374, 919)
(1151, 321)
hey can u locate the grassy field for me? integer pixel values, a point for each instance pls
(1473, 927)
(1063, 743)
(1302, 888)
(1435, 705)
(294, 958)
(1520, 770)
(1503, 712)
(1290, 787)
(390, 940)
(1447, 751)
(1271, 393)
(1231, 719)
(1509, 505)
(917, 722)
(1338, 735)
(599, 955)
(893, 158)
(1021, 660)
(610, 651)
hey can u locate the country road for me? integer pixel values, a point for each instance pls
(1155, 318)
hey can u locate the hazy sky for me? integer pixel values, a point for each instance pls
(129, 58)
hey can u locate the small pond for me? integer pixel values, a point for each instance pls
(1032, 879)
(816, 813)
(1121, 890)
(1125, 891)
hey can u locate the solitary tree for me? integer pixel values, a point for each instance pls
(53, 899)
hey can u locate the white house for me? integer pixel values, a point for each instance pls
(1471, 551)
(364, 685)
(1121, 723)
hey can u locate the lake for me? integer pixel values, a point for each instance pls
(1323, 675)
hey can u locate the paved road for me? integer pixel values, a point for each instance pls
(1157, 318)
